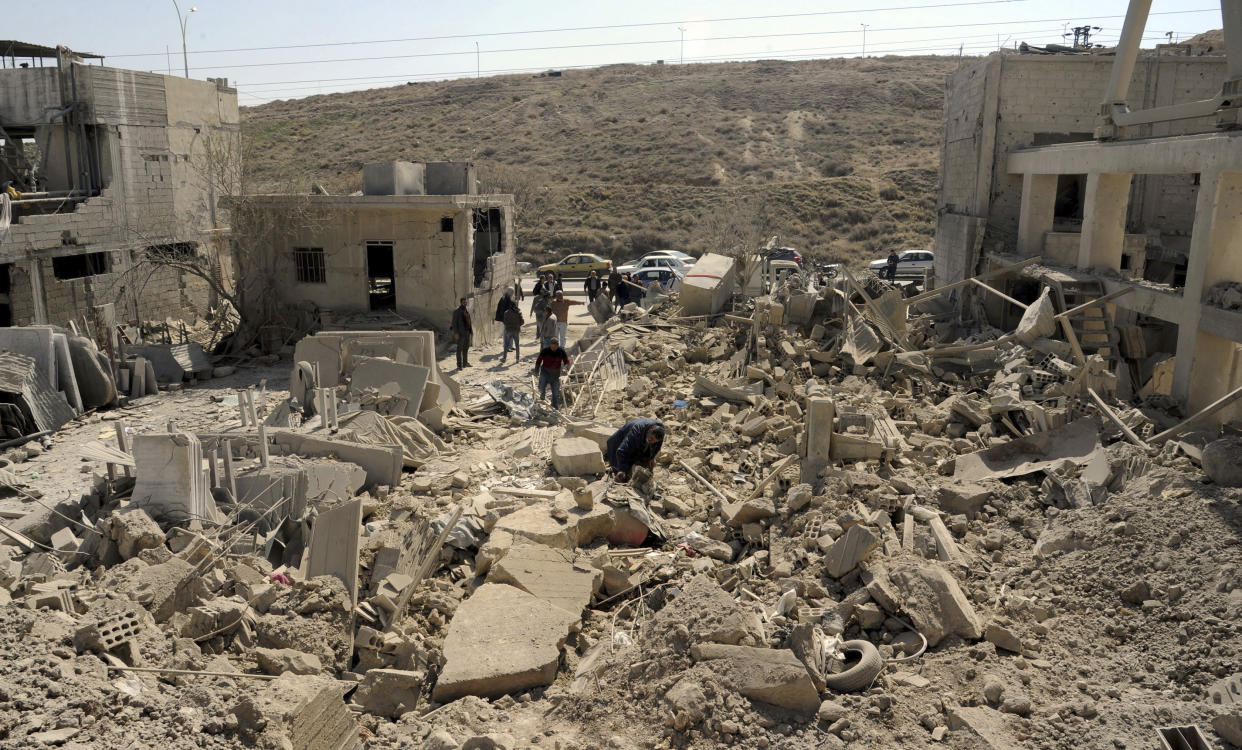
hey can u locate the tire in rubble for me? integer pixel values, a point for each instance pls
(861, 674)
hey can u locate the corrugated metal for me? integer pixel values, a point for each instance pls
(45, 405)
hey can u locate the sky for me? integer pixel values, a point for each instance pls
(280, 49)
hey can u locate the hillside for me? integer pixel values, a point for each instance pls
(839, 157)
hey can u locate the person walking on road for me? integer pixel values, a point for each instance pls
(592, 285)
(551, 362)
(560, 308)
(462, 330)
(637, 443)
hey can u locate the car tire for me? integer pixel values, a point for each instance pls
(860, 675)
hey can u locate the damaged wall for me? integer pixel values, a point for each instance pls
(1008, 102)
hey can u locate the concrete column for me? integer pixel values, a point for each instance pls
(37, 300)
(820, 414)
(1104, 221)
(1127, 52)
(1208, 366)
(1039, 195)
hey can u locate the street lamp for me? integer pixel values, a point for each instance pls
(183, 20)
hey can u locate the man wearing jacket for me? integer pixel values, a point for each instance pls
(462, 329)
(547, 330)
(592, 285)
(637, 443)
(506, 302)
(513, 327)
(614, 283)
(560, 308)
(551, 362)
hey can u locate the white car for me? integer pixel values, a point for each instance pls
(683, 257)
(653, 262)
(669, 278)
(909, 263)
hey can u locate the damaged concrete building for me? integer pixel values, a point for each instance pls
(1117, 170)
(418, 238)
(106, 167)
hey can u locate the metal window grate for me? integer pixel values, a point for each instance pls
(309, 264)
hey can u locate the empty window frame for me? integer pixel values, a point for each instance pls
(309, 265)
(80, 266)
(446, 224)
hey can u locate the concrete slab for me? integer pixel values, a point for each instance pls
(382, 463)
(708, 285)
(576, 456)
(556, 576)
(392, 378)
(170, 480)
(299, 711)
(768, 675)
(852, 548)
(501, 640)
(333, 548)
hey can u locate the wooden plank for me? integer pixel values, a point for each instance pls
(1206, 411)
(981, 277)
(705, 483)
(23, 541)
(999, 293)
(1125, 430)
(786, 461)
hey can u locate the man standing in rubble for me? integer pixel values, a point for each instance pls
(506, 302)
(462, 329)
(560, 308)
(614, 283)
(592, 285)
(550, 363)
(637, 443)
(890, 271)
(513, 328)
(547, 330)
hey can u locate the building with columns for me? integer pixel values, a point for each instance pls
(1123, 173)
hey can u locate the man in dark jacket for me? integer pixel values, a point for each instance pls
(551, 362)
(614, 283)
(592, 285)
(513, 328)
(506, 303)
(891, 269)
(462, 329)
(637, 443)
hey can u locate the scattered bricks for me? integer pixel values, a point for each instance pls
(105, 635)
(575, 456)
(738, 515)
(852, 548)
(754, 427)
(963, 497)
(66, 544)
(389, 692)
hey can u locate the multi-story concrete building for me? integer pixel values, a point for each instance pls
(109, 167)
(1124, 172)
(418, 239)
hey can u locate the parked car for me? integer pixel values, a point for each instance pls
(653, 262)
(909, 263)
(578, 266)
(685, 258)
(785, 253)
(669, 278)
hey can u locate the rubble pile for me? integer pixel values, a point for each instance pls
(870, 525)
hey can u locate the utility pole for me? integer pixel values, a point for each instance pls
(183, 20)
(478, 64)
(682, 58)
(864, 47)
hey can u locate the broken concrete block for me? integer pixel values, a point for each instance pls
(710, 615)
(298, 711)
(575, 456)
(932, 598)
(1002, 637)
(277, 661)
(1222, 461)
(738, 515)
(165, 588)
(65, 543)
(963, 497)
(767, 675)
(550, 574)
(389, 692)
(1229, 727)
(501, 640)
(133, 531)
(852, 548)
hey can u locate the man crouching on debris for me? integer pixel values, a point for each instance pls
(638, 442)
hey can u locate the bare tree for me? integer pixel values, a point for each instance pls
(529, 188)
(738, 230)
(240, 266)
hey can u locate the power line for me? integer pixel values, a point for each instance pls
(646, 24)
(630, 43)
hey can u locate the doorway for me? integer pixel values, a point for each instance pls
(381, 284)
(6, 286)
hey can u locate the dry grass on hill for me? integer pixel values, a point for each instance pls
(839, 157)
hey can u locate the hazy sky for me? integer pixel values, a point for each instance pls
(340, 46)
